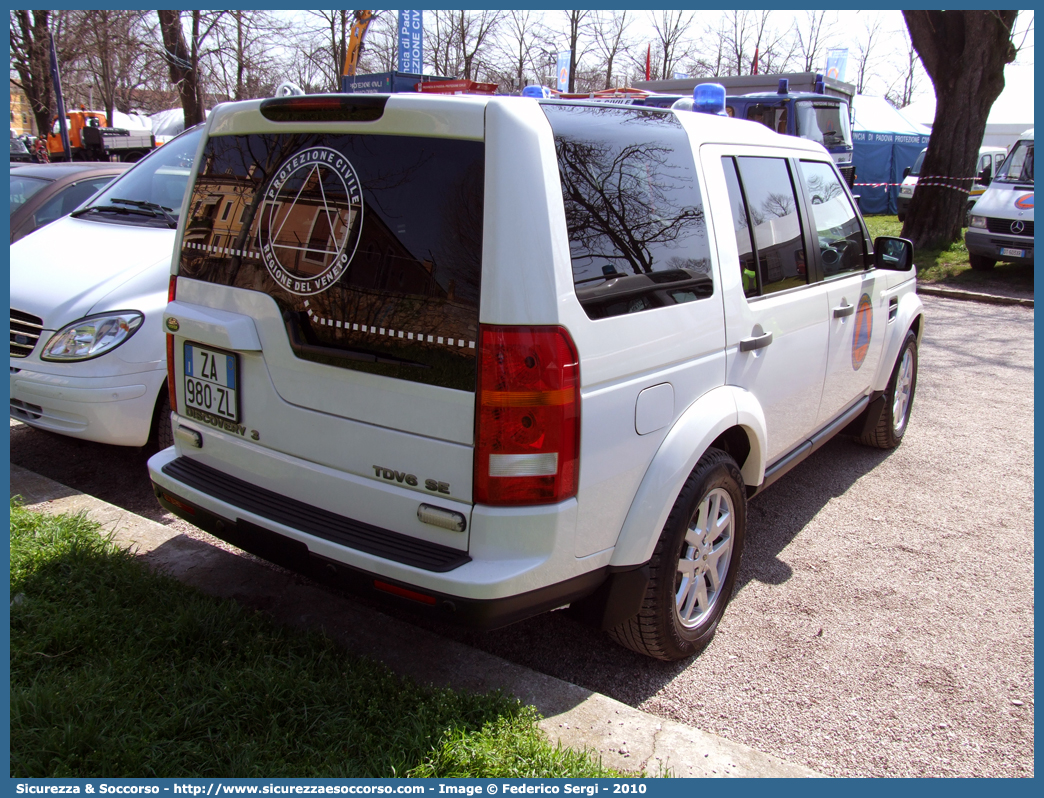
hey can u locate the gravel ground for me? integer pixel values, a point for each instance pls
(883, 624)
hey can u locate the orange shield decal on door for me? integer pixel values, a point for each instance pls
(864, 325)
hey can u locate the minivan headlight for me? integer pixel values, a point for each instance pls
(92, 336)
(977, 221)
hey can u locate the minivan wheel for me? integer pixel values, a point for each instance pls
(895, 416)
(694, 565)
(163, 430)
(981, 263)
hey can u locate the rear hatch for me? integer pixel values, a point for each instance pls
(353, 245)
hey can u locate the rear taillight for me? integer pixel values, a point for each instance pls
(172, 290)
(527, 428)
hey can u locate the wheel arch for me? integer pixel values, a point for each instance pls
(909, 317)
(728, 418)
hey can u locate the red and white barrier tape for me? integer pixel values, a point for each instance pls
(935, 181)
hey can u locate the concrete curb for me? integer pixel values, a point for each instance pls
(972, 296)
(624, 737)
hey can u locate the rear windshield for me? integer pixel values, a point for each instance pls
(370, 244)
(637, 230)
(22, 188)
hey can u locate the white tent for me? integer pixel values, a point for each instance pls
(885, 141)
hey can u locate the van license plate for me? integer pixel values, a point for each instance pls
(211, 381)
(1013, 253)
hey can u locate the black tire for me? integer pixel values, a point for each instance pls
(714, 488)
(163, 429)
(895, 417)
(981, 263)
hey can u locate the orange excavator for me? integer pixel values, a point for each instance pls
(355, 40)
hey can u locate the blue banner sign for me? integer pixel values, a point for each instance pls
(563, 70)
(411, 41)
(837, 63)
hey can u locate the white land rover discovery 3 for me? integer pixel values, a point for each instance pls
(490, 356)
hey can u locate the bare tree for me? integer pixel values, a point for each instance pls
(578, 25)
(241, 65)
(610, 40)
(865, 54)
(964, 54)
(671, 29)
(116, 53)
(184, 57)
(31, 33)
(746, 33)
(475, 31)
(711, 50)
(522, 40)
(900, 92)
(814, 39)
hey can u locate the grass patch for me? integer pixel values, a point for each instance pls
(950, 266)
(119, 672)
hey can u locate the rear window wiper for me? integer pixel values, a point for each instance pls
(140, 208)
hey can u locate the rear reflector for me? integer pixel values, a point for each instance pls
(171, 391)
(395, 590)
(324, 108)
(527, 430)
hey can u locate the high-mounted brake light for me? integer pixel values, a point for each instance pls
(325, 108)
(709, 98)
(527, 419)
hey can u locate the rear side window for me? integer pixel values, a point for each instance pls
(637, 230)
(370, 244)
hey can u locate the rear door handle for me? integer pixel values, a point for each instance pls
(843, 310)
(757, 342)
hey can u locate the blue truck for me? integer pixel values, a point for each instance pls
(804, 104)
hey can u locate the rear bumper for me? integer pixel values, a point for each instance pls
(989, 245)
(424, 577)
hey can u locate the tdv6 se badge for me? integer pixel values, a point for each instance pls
(409, 479)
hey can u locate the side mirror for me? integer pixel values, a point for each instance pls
(906, 172)
(893, 254)
(986, 174)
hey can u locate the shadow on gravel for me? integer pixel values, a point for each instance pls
(553, 643)
(775, 517)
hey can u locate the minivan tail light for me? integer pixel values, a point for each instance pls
(527, 418)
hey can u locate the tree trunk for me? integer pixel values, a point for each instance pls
(30, 40)
(182, 74)
(964, 53)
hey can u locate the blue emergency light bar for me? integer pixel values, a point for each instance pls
(540, 92)
(709, 98)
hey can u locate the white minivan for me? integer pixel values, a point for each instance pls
(489, 356)
(1001, 223)
(87, 296)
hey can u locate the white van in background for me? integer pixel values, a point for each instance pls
(990, 160)
(1001, 223)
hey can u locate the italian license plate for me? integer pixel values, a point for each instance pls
(1013, 253)
(212, 381)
